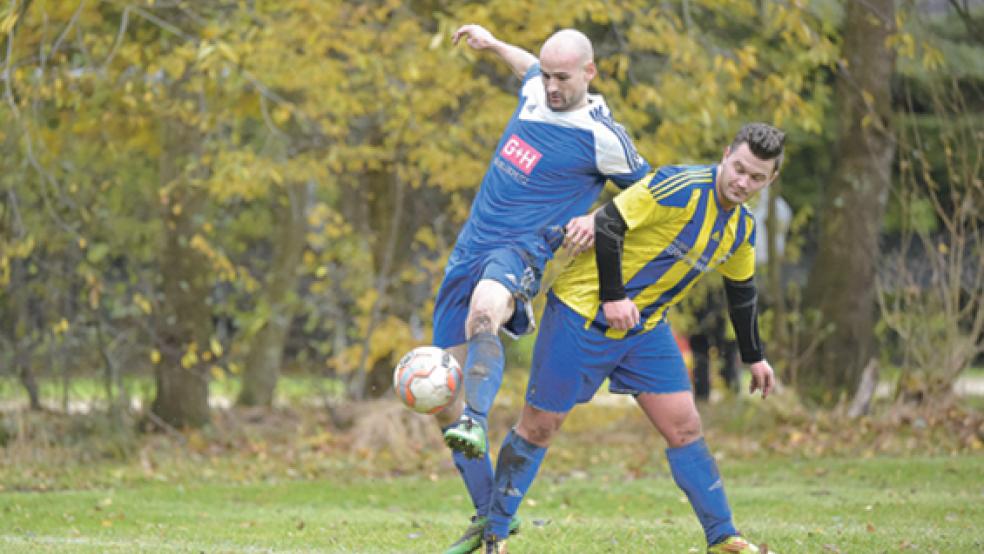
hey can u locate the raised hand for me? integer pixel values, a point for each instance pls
(476, 36)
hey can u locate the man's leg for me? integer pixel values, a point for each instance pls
(520, 457)
(692, 466)
(451, 312)
(475, 472)
(569, 365)
(491, 305)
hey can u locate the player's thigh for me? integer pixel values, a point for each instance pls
(451, 305)
(654, 372)
(569, 362)
(652, 363)
(517, 271)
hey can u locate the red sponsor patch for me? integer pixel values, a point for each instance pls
(522, 155)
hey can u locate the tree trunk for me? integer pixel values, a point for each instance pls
(19, 332)
(267, 347)
(842, 284)
(390, 249)
(186, 322)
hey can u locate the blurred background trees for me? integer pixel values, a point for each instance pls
(213, 191)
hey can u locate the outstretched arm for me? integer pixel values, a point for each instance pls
(479, 38)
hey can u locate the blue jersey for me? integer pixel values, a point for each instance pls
(548, 168)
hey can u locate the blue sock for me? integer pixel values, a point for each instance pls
(477, 475)
(483, 374)
(696, 473)
(519, 460)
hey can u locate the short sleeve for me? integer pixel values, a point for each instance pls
(638, 205)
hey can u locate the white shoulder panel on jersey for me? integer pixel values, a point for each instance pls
(615, 154)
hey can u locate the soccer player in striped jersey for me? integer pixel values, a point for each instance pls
(558, 149)
(606, 318)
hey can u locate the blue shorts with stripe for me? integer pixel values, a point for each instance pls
(511, 266)
(570, 362)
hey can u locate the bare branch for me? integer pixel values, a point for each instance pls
(124, 20)
(64, 33)
(975, 28)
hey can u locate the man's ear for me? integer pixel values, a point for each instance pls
(590, 70)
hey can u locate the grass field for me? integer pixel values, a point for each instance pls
(829, 505)
(288, 481)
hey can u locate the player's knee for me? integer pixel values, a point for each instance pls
(481, 321)
(491, 305)
(538, 426)
(685, 429)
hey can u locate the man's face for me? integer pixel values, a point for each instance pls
(742, 175)
(565, 79)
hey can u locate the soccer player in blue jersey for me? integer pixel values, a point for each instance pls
(606, 318)
(553, 159)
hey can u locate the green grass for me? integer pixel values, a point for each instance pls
(828, 505)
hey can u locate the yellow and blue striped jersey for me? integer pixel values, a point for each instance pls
(677, 231)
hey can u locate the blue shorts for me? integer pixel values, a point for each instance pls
(510, 266)
(571, 362)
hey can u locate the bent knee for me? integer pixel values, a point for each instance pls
(491, 305)
(684, 430)
(539, 426)
(481, 320)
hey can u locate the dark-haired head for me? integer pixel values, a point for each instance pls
(764, 140)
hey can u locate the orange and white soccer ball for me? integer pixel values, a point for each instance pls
(427, 379)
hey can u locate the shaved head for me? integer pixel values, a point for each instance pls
(568, 44)
(567, 66)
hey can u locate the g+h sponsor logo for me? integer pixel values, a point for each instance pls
(521, 154)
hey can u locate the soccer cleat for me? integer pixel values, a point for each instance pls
(466, 436)
(472, 539)
(495, 545)
(733, 544)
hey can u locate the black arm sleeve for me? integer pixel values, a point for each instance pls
(610, 230)
(742, 307)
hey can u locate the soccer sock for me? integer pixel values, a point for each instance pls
(477, 475)
(696, 473)
(483, 374)
(519, 460)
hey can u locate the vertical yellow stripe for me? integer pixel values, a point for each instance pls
(679, 269)
(728, 235)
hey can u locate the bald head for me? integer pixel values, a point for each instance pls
(568, 45)
(567, 66)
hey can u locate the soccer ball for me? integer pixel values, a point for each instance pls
(427, 379)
